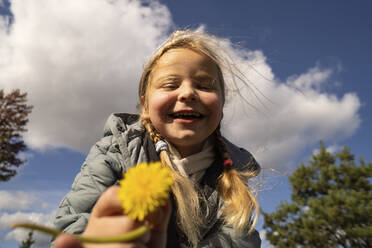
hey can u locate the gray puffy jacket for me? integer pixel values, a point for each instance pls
(122, 146)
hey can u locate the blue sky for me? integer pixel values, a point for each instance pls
(80, 61)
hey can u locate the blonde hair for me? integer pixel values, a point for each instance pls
(239, 201)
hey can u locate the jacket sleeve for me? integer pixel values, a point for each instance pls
(100, 170)
(226, 237)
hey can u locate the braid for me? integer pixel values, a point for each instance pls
(227, 162)
(189, 215)
(155, 136)
(233, 187)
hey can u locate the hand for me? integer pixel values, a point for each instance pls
(107, 219)
(67, 241)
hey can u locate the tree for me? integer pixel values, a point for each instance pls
(332, 204)
(29, 241)
(13, 119)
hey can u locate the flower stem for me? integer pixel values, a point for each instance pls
(54, 232)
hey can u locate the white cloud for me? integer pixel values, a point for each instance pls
(27, 206)
(81, 60)
(16, 200)
(332, 149)
(26, 200)
(287, 116)
(78, 61)
(7, 219)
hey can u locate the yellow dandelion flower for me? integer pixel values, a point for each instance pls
(144, 188)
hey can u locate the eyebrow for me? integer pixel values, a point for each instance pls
(168, 76)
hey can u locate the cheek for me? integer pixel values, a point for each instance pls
(159, 104)
(215, 103)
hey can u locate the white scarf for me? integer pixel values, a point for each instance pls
(195, 165)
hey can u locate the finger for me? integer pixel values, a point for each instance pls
(161, 218)
(108, 203)
(145, 238)
(159, 232)
(67, 241)
(114, 226)
(167, 211)
(120, 224)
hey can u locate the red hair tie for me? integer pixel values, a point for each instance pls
(227, 163)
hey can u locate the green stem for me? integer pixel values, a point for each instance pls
(120, 238)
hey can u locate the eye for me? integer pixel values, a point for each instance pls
(170, 83)
(169, 86)
(206, 83)
(204, 87)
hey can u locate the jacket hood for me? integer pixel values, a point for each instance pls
(122, 122)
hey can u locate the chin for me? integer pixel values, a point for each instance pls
(188, 137)
(187, 141)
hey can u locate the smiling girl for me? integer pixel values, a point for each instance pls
(182, 94)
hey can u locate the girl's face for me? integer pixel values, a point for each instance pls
(184, 99)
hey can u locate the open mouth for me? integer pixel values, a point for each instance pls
(188, 115)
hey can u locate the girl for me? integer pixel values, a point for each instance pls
(182, 94)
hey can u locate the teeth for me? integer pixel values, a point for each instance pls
(181, 114)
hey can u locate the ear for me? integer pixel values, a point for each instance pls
(144, 109)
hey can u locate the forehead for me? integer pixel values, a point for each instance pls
(183, 60)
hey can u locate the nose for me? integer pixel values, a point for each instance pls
(187, 92)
